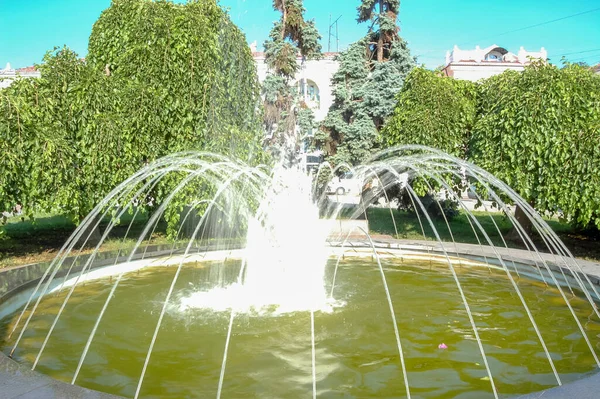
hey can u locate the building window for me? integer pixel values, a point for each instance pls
(312, 95)
(494, 56)
(312, 92)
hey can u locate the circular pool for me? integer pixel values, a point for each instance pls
(270, 348)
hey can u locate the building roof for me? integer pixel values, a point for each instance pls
(501, 55)
(8, 70)
(29, 69)
(260, 54)
(326, 55)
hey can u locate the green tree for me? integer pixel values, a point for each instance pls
(382, 13)
(291, 36)
(433, 110)
(193, 56)
(371, 73)
(39, 122)
(539, 131)
(159, 77)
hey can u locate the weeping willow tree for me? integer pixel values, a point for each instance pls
(193, 56)
(539, 131)
(159, 78)
(291, 36)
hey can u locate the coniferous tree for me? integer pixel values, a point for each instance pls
(382, 13)
(372, 72)
(291, 36)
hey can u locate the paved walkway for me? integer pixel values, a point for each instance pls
(592, 269)
(18, 381)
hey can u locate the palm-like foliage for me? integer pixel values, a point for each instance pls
(291, 37)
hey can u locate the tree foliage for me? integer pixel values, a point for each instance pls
(434, 111)
(383, 14)
(371, 73)
(39, 121)
(291, 36)
(539, 132)
(159, 77)
(192, 54)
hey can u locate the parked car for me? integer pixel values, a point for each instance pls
(345, 184)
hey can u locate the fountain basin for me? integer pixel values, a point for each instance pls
(402, 253)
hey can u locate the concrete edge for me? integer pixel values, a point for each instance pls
(19, 381)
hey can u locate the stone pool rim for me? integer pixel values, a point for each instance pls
(18, 380)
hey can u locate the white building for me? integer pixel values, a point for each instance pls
(8, 74)
(482, 63)
(313, 80)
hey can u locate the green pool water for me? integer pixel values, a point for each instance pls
(356, 353)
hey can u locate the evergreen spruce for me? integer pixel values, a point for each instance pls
(372, 72)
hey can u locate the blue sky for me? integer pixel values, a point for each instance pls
(28, 28)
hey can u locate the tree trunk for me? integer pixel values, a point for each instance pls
(284, 20)
(525, 223)
(380, 40)
(91, 235)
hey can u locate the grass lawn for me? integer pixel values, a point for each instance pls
(40, 240)
(407, 223)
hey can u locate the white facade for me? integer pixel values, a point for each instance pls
(313, 80)
(482, 63)
(7, 75)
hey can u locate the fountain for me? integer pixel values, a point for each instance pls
(257, 297)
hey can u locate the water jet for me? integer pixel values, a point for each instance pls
(258, 298)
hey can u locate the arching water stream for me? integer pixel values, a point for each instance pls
(282, 321)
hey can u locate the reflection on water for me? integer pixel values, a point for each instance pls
(270, 350)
